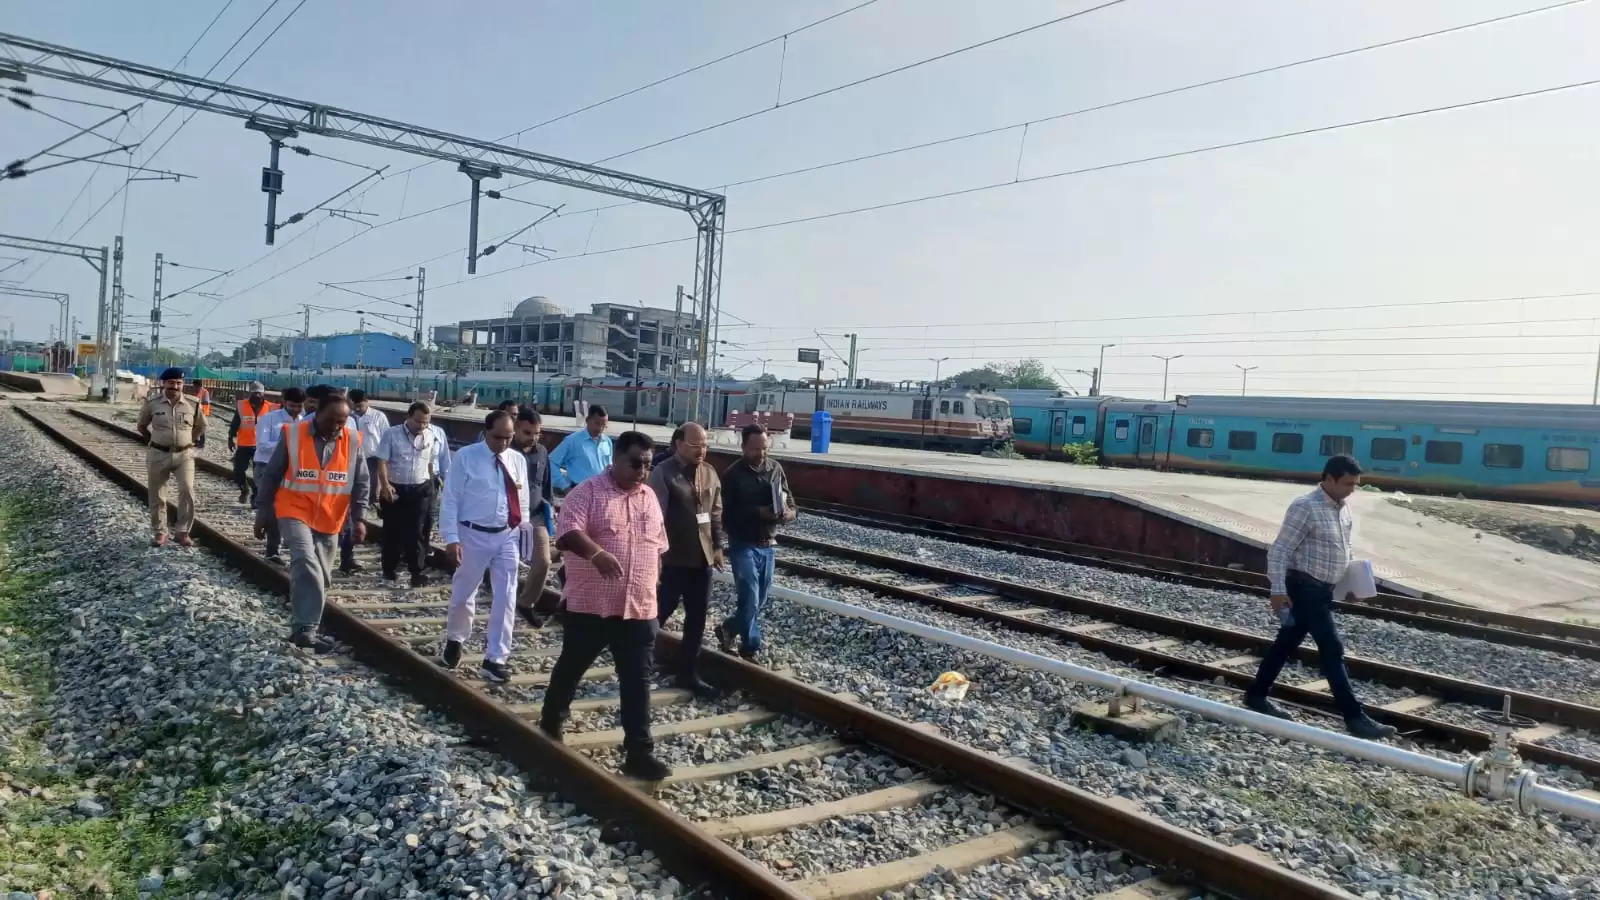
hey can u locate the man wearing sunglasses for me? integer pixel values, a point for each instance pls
(612, 534)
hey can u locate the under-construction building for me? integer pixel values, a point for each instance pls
(628, 341)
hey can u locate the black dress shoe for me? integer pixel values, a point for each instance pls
(1266, 707)
(418, 579)
(451, 657)
(528, 615)
(1365, 727)
(700, 688)
(643, 765)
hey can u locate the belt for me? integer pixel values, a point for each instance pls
(167, 449)
(485, 529)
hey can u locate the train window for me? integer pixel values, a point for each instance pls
(1080, 425)
(1121, 431)
(1446, 452)
(1201, 437)
(1288, 442)
(1567, 459)
(958, 407)
(1337, 444)
(1502, 456)
(944, 406)
(1059, 426)
(1022, 426)
(1388, 448)
(1241, 440)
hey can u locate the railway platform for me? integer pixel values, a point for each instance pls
(1206, 518)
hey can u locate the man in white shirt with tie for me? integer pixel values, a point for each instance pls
(485, 496)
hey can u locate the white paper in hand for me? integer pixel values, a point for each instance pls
(1358, 579)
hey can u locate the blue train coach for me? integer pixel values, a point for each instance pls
(1525, 451)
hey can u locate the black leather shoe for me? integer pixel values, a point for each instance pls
(528, 615)
(725, 639)
(700, 688)
(419, 579)
(552, 729)
(451, 657)
(1266, 707)
(643, 765)
(1365, 727)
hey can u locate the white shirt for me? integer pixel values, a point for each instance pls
(269, 431)
(475, 490)
(411, 458)
(372, 424)
(446, 455)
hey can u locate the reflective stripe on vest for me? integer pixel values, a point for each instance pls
(248, 419)
(316, 495)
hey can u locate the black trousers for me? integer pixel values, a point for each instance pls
(241, 469)
(690, 586)
(1311, 612)
(632, 641)
(405, 527)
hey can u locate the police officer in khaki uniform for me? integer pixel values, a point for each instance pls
(173, 427)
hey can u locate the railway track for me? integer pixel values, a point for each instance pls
(1155, 642)
(1571, 638)
(788, 732)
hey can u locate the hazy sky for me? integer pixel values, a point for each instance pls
(1488, 202)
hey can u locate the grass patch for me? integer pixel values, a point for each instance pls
(46, 843)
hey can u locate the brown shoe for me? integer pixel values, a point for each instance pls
(185, 541)
(159, 540)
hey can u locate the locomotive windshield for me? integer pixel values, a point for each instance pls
(991, 408)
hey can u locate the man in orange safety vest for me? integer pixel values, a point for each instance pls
(242, 436)
(315, 485)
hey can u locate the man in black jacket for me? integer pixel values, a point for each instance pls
(755, 500)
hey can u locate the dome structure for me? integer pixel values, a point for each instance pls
(534, 307)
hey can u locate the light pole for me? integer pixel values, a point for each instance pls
(1100, 370)
(1244, 373)
(928, 397)
(1165, 362)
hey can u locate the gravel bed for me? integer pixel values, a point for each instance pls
(605, 719)
(1065, 869)
(279, 775)
(1583, 743)
(1527, 669)
(1352, 823)
(721, 744)
(800, 783)
(851, 842)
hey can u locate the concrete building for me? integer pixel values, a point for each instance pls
(611, 339)
(371, 350)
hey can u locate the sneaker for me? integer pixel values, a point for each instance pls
(419, 579)
(451, 657)
(159, 540)
(184, 540)
(1265, 707)
(700, 688)
(643, 765)
(1365, 727)
(725, 639)
(497, 672)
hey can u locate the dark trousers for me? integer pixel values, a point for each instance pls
(1311, 608)
(347, 535)
(405, 527)
(242, 458)
(691, 586)
(583, 636)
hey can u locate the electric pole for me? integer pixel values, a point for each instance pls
(1244, 372)
(677, 355)
(1165, 361)
(1099, 371)
(416, 343)
(155, 309)
(1595, 400)
(850, 376)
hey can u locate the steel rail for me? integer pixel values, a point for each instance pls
(1167, 847)
(686, 848)
(1491, 696)
(1453, 618)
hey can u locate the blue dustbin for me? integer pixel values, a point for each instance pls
(821, 431)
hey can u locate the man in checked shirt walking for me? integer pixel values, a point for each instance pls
(613, 534)
(1305, 562)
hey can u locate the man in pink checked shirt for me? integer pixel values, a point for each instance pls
(612, 535)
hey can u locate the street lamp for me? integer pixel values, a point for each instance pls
(928, 395)
(1244, 376)
(1099, 371)
(1165, 361)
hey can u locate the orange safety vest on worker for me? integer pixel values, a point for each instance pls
(248, 418)
(204, 396)
(316, 495)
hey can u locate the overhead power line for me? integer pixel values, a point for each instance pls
(1166, 92)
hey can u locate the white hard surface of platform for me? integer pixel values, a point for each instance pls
(1411, 552)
